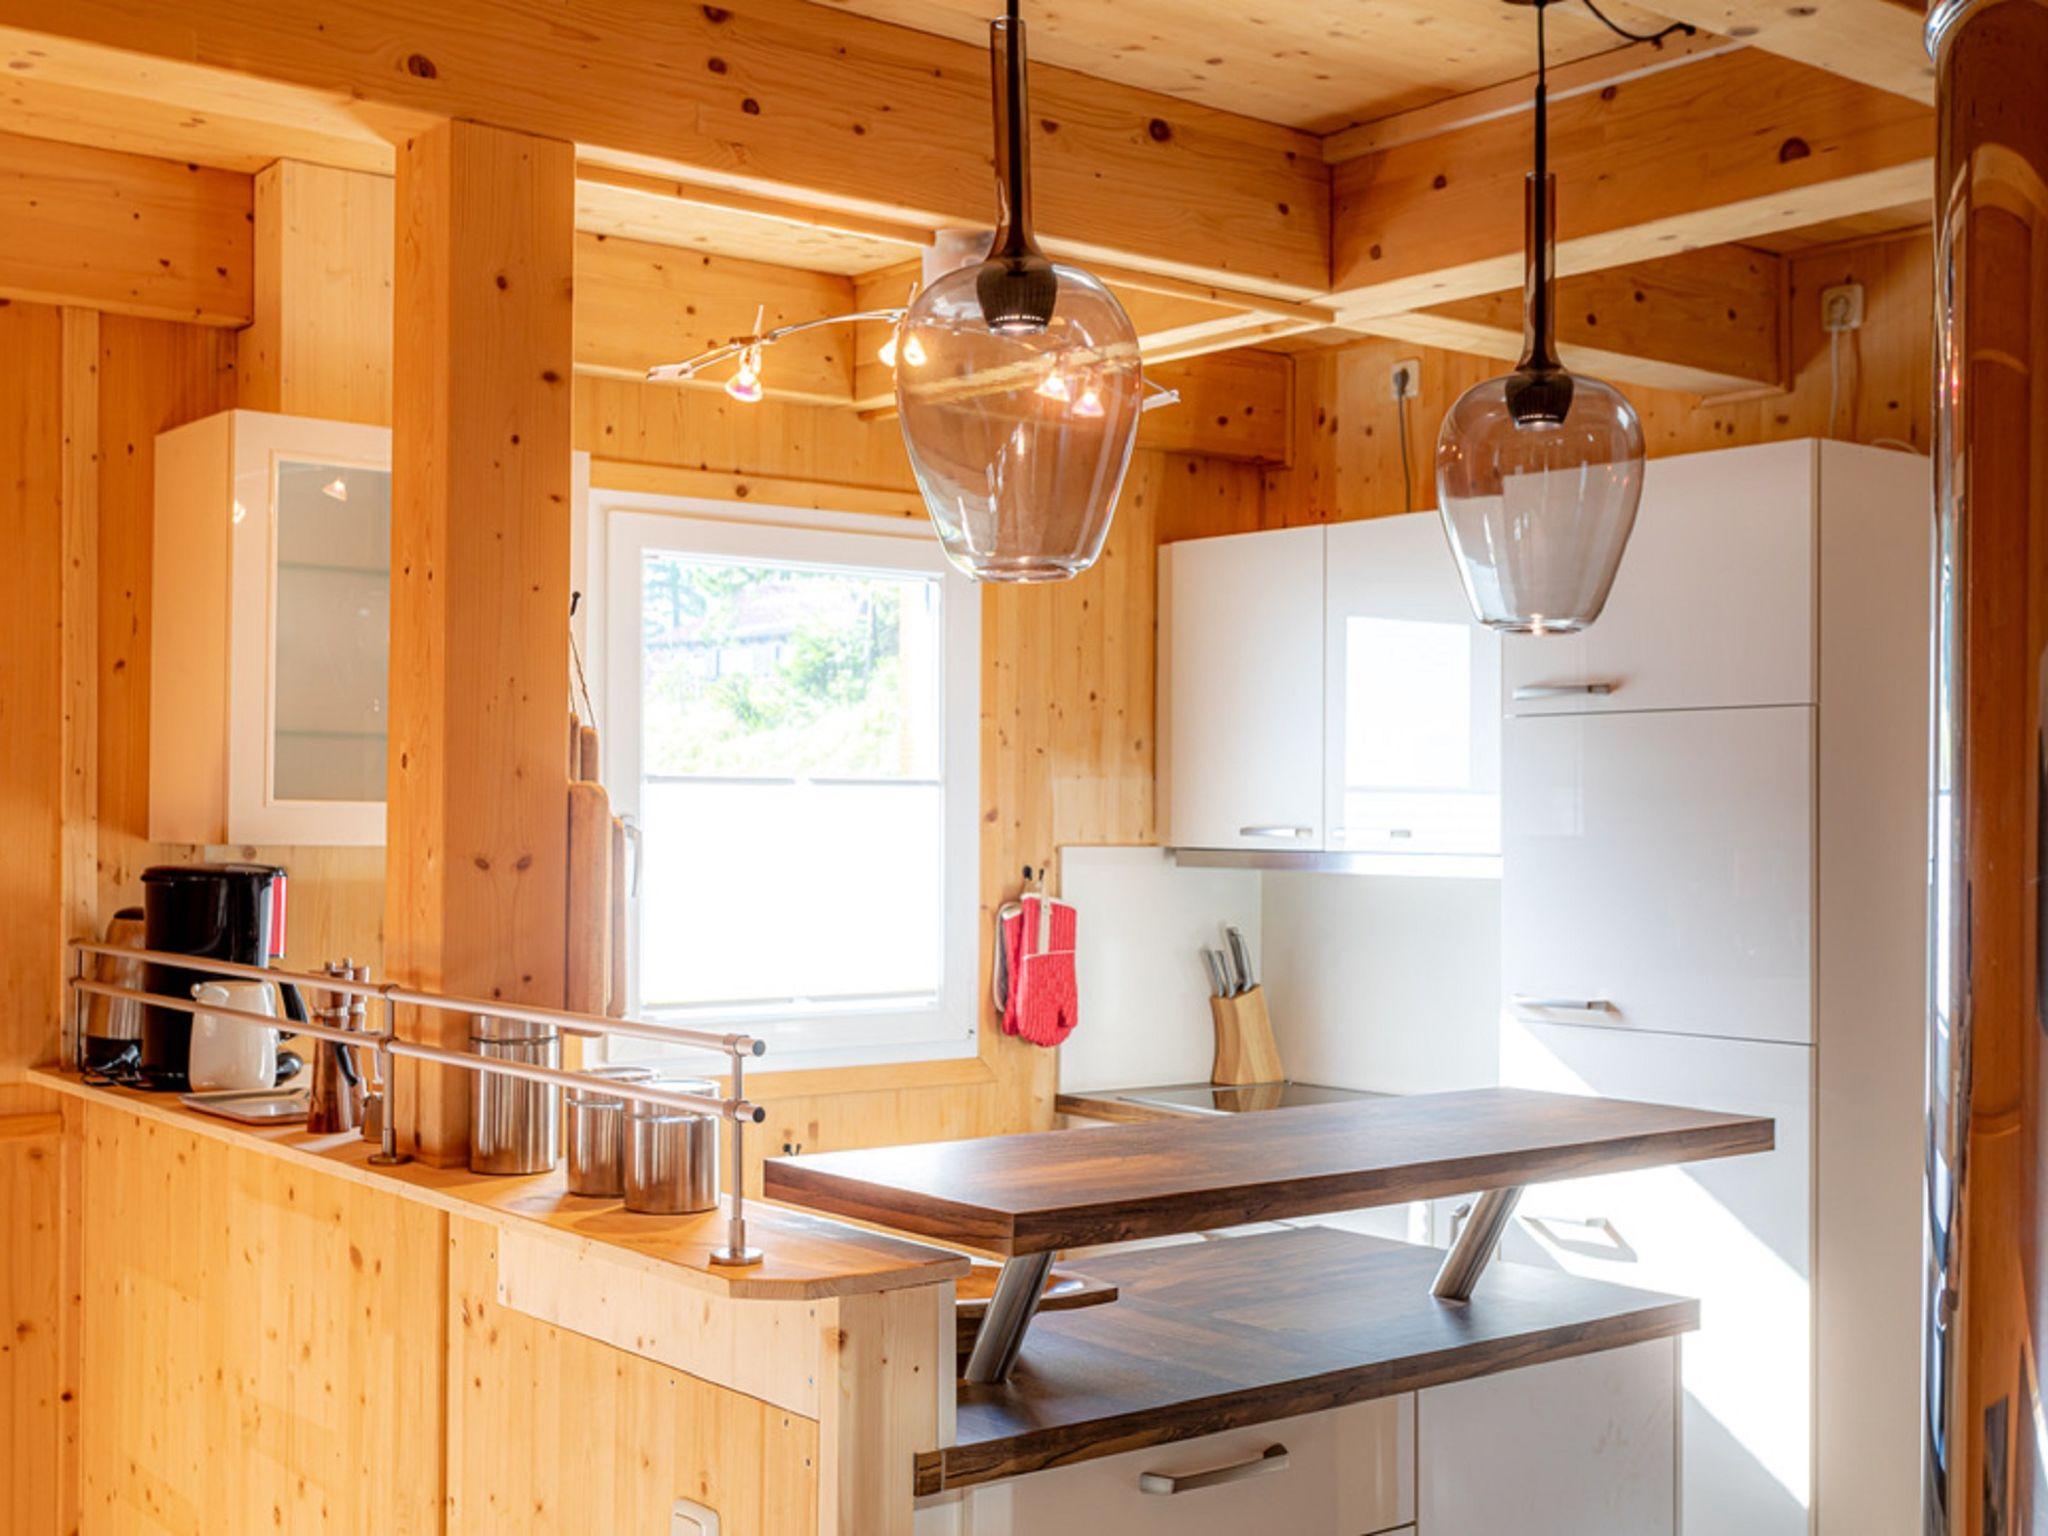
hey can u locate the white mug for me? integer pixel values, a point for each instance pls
(230, 1053)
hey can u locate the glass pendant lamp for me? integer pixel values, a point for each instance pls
(1538, 473)
(1018, 383)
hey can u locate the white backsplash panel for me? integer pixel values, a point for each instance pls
(1144, 1001)
(1385, 984)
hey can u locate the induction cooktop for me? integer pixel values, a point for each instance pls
(1209, 1099)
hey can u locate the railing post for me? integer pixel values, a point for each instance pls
(736, 1254)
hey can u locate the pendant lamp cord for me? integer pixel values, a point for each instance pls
(1641, 37)
(1017, 238)
(1541, 353)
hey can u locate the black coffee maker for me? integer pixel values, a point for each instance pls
(232, 912)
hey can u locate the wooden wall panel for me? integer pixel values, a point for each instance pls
(1347, 460)
(38, 1324)
(266, 1346)
(555, 1434)
(31, 681)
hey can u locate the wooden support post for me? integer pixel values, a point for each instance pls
(320, 341)
(478, 826)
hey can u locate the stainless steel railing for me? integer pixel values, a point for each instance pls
(737, 1109)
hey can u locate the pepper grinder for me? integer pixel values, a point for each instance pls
(331, 1100)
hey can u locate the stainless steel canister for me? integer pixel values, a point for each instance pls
(595, 1128)
(671, 1154)
(514, 1125)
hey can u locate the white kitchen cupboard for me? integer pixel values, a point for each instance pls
(1715, 834)
(1715, 602)
(1411, 712)
(270, 597)
(1578, 1447)
(1663, 870)
(1325, 691)
(1241, 689)
(270, 631)
(1735, 1233)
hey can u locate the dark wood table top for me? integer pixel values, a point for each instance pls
(1231, 1332)
(1115, 1183)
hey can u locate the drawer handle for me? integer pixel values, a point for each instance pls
(1565, 1004)
(1564, 690)
(1276, 831)
(1272, 1459)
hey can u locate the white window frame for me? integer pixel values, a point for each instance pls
(625, 524)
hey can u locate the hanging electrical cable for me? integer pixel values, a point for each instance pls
(1685, 27)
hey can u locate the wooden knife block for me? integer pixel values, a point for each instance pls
(1245, 1052)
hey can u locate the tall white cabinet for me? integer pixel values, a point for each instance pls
(1714, 812)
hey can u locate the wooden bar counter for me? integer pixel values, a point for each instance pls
(520, 1358)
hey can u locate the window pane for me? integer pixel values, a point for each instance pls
(770, 878)
(767, 671)
(765, 892)
(333, 631)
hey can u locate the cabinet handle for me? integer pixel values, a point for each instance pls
(1276, 831)
(1272, 1459)
(1569, 1004)
(1564, 690)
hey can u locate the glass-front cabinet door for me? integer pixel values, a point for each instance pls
(1412, 718)
(330, 630)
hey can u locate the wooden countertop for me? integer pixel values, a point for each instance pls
(1114, 1183)
(1246, 1330)
(1231, 1332)
(807, 1257)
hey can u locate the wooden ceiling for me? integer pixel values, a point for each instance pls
(1316, 67)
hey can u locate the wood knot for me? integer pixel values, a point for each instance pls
(422, 66)
(1160, 130)
(751, 107)
(1793, 149)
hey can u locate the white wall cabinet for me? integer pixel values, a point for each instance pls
(1327, 691)
(1714, 877)
(1241, 690)
(1411, 712)
(270, 631)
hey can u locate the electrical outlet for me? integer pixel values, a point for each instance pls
(1406, 378)
(689, 1518)
(1841, 307)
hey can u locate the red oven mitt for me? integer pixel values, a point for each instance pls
(1046, 1000)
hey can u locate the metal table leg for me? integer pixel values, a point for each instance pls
(1475, 1245)
(1010, 1311)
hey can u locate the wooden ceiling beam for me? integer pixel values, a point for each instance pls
(1724, 150)
(1515, 98)
(1707, 323)
(782, 99)
(1879, 43)
(122, 233)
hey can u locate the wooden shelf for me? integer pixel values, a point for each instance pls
(1219, 1335)
(1110, 1184)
